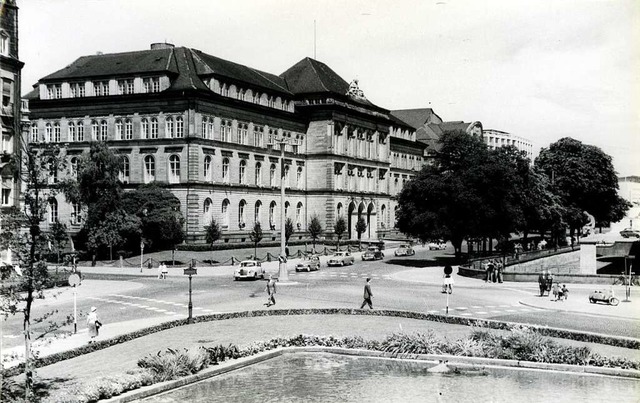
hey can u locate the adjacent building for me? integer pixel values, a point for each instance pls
(497, 138)
(211, 131)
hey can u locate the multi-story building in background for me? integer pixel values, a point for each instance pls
(210, 130)
(10, 109)
(497, 138)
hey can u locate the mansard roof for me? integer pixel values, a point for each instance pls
(211, 65)
(118, 64)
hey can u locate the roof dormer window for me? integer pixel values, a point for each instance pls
(100, 88)
(125, 87)
(4, 43)
(151, 84)
(54, 91)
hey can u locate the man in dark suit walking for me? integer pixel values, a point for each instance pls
(367, 295)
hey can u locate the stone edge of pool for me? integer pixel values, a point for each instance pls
(460, 361)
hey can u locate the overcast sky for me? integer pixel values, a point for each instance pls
(540, 69)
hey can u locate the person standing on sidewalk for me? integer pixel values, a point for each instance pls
(93, 324)
(271, 291)
(367, 294)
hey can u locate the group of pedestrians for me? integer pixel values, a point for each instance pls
(493, 271)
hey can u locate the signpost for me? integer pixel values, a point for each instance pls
(190, 271)
(74, 281)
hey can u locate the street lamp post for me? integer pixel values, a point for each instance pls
(141, 254)
(283, 275)
(190, 272)
(627, 297)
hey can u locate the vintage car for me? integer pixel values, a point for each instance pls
(372, 254)
(311, 264)
(437, 245)
(630, 233)
(605, 296)
(249, 269)
(341, 259)
(404, 250)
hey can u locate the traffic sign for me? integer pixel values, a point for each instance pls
(190, 271)
(74, 280)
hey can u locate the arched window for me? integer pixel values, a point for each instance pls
(258, 136)
(118, 129)
(225, 170)
(74, 167)
(128, 129)
(149, 169)
(207, 168)
(174, 169)
(242, 171)
(206, 211)
(125, 172)
(256, 97)
(71, 132)
(53, 211)
(225, 130)
(205, 128)
(225, 213)
(76, 214)
(95, 131)
(299, 178)
(179, 127)
(168, 127)
(339, 210)
(56, 132)
(241, 218)
(286, 176)
(258, 174)
(286, 209)
(272, 215)
(48, 133)
(103, 131)
(144, 129)
(243, 129)
(257, 212)
(383, 216)
(299, 215)
(272, 175)
(80, 131)
(53, 171)
(154, 129)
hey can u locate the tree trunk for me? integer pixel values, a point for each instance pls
(173, 256)
(110, 252)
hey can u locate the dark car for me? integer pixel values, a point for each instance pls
(372, 254)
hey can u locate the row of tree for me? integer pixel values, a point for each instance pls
(470, 192)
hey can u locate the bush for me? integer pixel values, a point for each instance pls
(173, 364)
(417, 343)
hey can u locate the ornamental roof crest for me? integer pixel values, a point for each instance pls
(355, 91)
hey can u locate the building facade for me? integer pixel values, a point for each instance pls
(211, 131)
(497, 138)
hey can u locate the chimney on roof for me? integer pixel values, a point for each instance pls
(162, 45)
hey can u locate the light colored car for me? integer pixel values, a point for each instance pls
(313, 263)
(249, 269)
(404, 250)
(437, 245)
(372, 254)
(341, 259)
(630, 233)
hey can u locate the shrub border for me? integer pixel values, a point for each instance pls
(617, 341)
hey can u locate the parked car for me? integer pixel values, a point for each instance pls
(404, 250)
(630, 233)
(249, 269)
(313, 263)
(372, 254)
(437, 245)
(341, 259)
(605, 296)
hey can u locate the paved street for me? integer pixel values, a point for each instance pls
(130, 300)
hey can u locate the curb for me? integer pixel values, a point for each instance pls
(452, 361)
(574, 311)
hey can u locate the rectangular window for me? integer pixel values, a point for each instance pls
(100, 88)
(77, 90)
(34, 134)
(125, 87)
(6, 196)
(128, 130)
(151, 84)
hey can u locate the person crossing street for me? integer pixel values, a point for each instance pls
(367, 295)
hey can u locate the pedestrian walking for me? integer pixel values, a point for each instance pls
(367, 294)
(93, 324)
(499, 270)
(555, 291)
(164, 271)
(271, 291)
(564, 292)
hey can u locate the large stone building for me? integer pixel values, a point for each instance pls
(210, 130)
(497, 138)
(10, 110)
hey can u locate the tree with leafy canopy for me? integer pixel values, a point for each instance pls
(315, 229)
(21, 233)
(339, 229)
(361, 227)
(159, 212)
(584, 179)
(256, 236)
(288, 229)
(59, 237)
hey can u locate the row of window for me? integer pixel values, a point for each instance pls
(406, 161)
(225, 220)
(101, 88)
(52, 212)
(254, 96)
